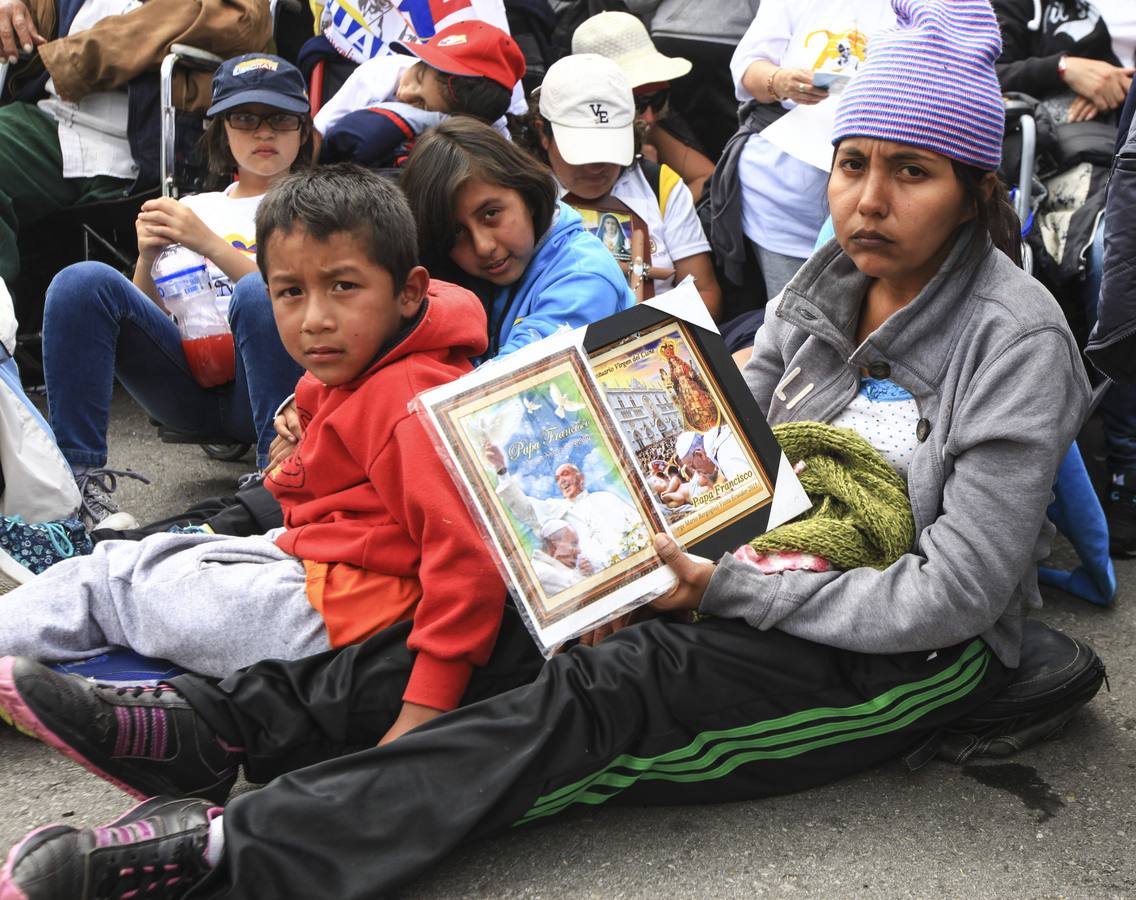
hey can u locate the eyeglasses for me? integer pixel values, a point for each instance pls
(247, 121)
(656, 100)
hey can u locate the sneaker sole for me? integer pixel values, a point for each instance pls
(15, 712)
(119, 521)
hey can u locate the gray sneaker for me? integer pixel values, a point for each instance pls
(97, 509)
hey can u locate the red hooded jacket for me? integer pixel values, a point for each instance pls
(365, 486)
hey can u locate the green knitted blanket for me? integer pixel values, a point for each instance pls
(860, 514)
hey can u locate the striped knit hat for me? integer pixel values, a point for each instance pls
(930, 82)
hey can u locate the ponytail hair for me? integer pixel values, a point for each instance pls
(993, 214)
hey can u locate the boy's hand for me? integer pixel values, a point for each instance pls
(278, 451)
(289, 430)
(287, 423)
(693, 576)
(411, 716)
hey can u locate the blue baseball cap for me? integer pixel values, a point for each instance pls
(259, 78)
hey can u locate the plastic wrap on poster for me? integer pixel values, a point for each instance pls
(573, 452)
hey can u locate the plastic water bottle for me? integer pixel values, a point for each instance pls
(182, 280)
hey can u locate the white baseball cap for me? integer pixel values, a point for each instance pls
(588, 100)
(624, 38)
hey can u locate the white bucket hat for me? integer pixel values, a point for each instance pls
(624, 38)
(587, 99)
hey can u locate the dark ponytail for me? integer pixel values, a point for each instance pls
(993, 214)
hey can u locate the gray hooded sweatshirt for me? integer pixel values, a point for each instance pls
(1001, 392)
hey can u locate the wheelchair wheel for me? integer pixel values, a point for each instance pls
(226, 452)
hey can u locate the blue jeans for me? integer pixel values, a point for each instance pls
(1118, 408)
(777, 269)
(98, 326)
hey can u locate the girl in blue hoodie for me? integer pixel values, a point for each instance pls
(488, 219)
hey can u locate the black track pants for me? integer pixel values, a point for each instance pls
(660, 713)
(288, 714)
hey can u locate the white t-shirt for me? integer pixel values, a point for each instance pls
(375, 81)
(234, 219)
(1120, 17)
(887, 417)
(675, 235)
(92, 132)
(783, 198)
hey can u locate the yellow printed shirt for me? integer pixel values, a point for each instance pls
(783, 198)
(235, 220)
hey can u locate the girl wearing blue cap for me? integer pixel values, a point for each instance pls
(99, 326)
(790, 680)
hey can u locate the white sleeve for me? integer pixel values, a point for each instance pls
(682, 231)
(520, 504)
(766, 38)
(374, 81)
(195, 202)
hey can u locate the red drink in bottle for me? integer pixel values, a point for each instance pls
(210, 359)
(183, 284)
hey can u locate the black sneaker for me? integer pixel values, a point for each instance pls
(147, 740)
(155, 850)
(1120, 513)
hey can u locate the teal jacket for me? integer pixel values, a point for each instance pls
(572, 280)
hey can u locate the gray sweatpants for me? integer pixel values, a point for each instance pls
(210, 603)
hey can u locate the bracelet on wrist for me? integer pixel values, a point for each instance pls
(1062, 66)
(770, 89)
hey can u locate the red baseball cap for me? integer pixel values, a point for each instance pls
(472, 48)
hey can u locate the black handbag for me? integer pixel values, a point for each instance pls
(1057, 675)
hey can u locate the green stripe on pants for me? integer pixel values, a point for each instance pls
(779, 738)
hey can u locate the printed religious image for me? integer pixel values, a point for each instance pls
(701, 470)
(613, 228)
(553, 478)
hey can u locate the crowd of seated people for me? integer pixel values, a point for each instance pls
(393, 212)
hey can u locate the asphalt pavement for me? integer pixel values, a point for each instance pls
(1058, 820)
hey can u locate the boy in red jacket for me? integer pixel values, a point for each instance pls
(375, 531)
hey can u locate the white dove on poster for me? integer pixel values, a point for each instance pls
(563, 404)
(530, 405)
(497, 426)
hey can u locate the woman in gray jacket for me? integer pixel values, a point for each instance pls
(974, 390)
